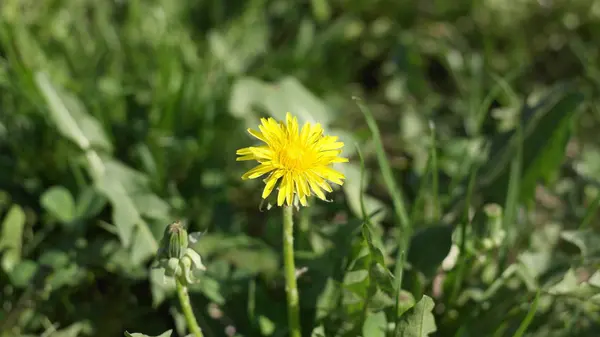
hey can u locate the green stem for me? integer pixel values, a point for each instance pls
(188, 312)
(291, 289)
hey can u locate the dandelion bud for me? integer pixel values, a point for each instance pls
(175, 257)
(178, 240)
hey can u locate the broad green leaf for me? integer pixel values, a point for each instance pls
(547, 127)
(327, 299)
(381, 299)
(58, 201)
(89, 203)
(11, 237)
(356, 276)
(406, 300)
(132, 229)
(355, 290)
(267, 327)
(23, 273)
(150, 205)
(544, 147)
(587, 240)
(138, 187)
(571, 286)
(125, 215)
(144, 244)
(594, 280)
(136, 334)
(318, 331)
(69, 116)
(375, 325)
(132, 180)
(54, 258)
(287, 95)
(568, 283)
(429, 247)
(419, 320)
(245, 94)
(73, 122)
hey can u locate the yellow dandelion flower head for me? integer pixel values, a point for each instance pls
(299, 158)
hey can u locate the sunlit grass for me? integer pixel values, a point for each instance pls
(473, 188)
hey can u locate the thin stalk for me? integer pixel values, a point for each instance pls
(530, 314)
(463, 257)
(188, 312)
(434, 175)
(404, 223)
(291, 288)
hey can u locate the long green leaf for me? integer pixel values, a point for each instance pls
(530, 314)
(394, 190)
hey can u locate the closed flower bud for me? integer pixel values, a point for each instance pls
(178, 240)
(175, 257)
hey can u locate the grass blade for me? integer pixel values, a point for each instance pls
(530, 314)
(394, 190)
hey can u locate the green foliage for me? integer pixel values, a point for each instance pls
(418, 321)
(12, 237)
(470, 202)
(165, 334)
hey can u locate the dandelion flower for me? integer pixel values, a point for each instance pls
(298, 159)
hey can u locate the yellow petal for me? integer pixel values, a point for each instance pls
(305, 133)
(330, 146)
(267, 134)
(303, 185)
(320, 182)
(329, 154)
(315, 132)
(339, 160)
(298, 187)
(316, 189)
(282, 190)
(258, 171)
(302, 200)
(330, 174)
(290, 189)
(262, 152)
(291, 126)
(243, 152)
(271, 181)
(257, 135)
(246, 157)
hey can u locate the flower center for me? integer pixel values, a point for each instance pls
(293, 157)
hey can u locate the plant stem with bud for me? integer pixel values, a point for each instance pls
(179, 261)
(291, 287)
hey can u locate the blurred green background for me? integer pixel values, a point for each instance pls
(118, 117)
